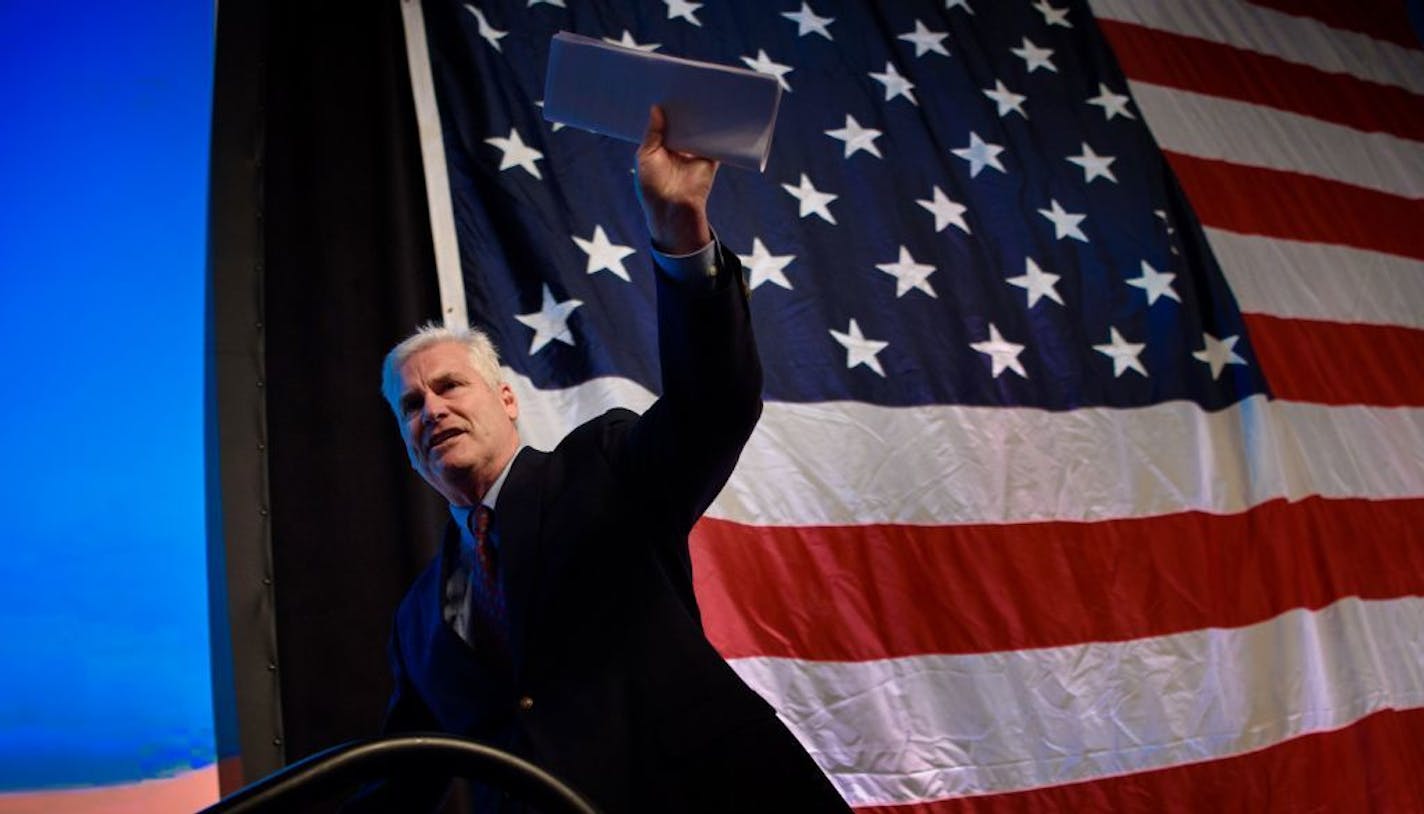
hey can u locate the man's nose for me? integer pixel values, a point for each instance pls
(434, 409)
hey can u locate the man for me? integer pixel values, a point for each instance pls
(560, 621)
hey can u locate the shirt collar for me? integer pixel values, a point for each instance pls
(462, 513)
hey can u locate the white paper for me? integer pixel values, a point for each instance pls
(716, 111)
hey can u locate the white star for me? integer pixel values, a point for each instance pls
(1035, 57)
(550, 322)
(980, 154)
(1053, 16)
(603, 254)
(807, 22)
(1155, 283)
(926, 40)
(908, 274)
(812, 200)
(1218, 353)
(1005, 355)
(765, 267)
(1170, 231)
(1113, 104)
(945, 211)
(1037, 282)
(1007, 100)
(895, 84)
(1094, 165)
(683, 9)
(1123, 353)
(559, 3)
(490, 34)
(516, 154)
(628, 42)
(557, 125)
(859, 350)
(856, 137)
(1065, 224)
(763, 64)
(964, 4)
(1166, 221)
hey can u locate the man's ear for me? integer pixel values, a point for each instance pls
(509, 400)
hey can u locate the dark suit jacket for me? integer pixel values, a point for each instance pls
(613, 686)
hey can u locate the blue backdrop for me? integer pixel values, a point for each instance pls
(104, 119)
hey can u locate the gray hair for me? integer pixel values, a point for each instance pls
(483, 355)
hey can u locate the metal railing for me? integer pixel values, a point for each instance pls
(435, 756)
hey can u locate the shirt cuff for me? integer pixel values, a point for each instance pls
(697, 268)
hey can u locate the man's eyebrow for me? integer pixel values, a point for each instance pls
(448, 378)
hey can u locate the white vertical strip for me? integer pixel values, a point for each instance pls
(437, 183)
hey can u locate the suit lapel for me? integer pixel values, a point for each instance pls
(445, 641)
(518, 521)
(446, 646)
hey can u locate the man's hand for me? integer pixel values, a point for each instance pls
(673, 189)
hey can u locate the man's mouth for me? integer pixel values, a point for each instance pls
(441, 437)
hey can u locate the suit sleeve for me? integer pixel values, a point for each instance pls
(685, 446)
(405, 713)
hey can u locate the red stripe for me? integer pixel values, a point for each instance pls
(1386, 20)
(1202, 66)
(871, 592)
(1293, 205)
(1338, 363)
(1375, 764)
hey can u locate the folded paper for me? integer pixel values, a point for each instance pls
(716, 111)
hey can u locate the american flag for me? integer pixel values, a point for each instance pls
(1090, 471)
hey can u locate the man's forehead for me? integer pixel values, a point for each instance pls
(435, 360)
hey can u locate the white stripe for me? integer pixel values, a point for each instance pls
(847, 463)
(933, 727)
(1265, 31)
(1297, 279)
(437, 183)
(1226, 129)
(546, 416)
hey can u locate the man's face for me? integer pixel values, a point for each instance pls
(458, 430)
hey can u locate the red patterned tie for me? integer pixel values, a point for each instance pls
(486, 585)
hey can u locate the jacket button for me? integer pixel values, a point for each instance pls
(526, 703)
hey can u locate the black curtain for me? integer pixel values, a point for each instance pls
(320, 258)
(348, 270)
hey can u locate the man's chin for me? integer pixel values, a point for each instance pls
(446, 477)
(447, 453)
(446, 465)
(451, 466)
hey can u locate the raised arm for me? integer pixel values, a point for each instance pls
(673, 189)
(683, 449)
